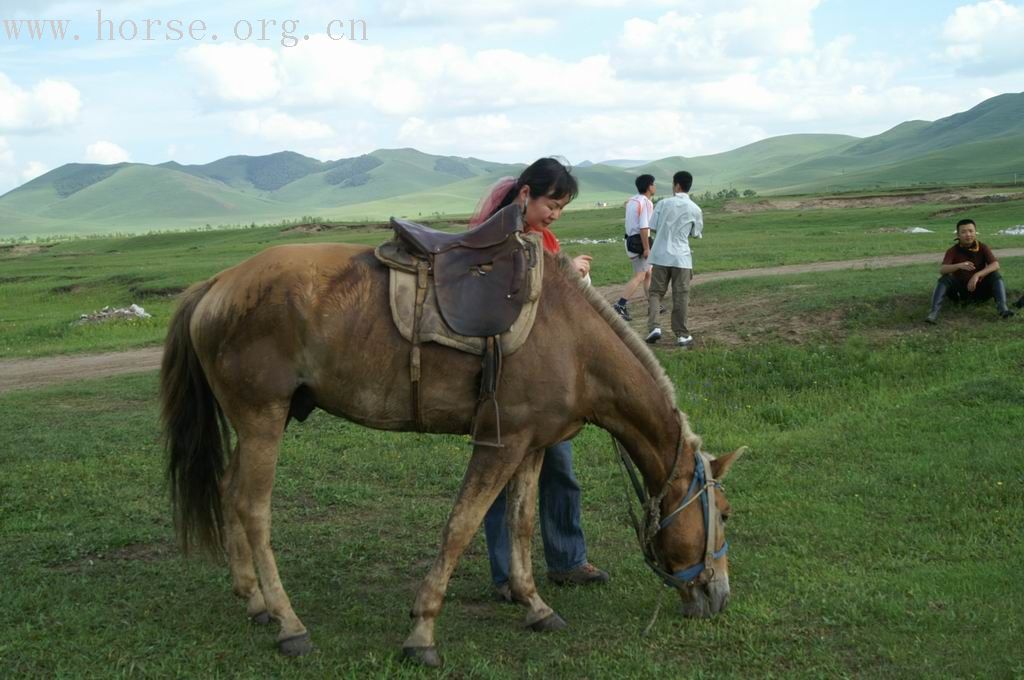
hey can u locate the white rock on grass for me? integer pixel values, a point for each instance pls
(109, 314)
(590, 241)
(1016, 230)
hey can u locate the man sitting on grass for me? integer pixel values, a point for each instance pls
(970, 271)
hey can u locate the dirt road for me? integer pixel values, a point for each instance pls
(18, 374)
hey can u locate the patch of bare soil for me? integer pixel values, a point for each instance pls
(136, 552)
(319, 227)
(307, 229)
(967, 197)
(751, 319)
(28, 373)
(22, 249)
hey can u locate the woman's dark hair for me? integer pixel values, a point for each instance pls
(545, 177)
(643, 182)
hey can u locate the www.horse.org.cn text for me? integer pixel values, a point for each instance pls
(108, 28)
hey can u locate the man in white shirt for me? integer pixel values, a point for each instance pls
(676, 219)
(639, 210)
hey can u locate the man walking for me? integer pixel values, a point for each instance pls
(676, 219)
(639, 210)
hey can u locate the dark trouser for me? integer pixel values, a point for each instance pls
(680, 280)
(560, 500)
(949, 286)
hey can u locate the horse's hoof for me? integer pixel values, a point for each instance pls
(261, 619)
(297, 645)
(424, 656)
(548, 624)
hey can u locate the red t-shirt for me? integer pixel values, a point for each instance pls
(981, 256)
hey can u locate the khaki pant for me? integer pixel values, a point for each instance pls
(680, 280)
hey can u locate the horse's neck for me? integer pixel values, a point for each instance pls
(631, 404)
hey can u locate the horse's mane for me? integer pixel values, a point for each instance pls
(622, 329)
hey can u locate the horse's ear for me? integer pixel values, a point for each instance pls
(720, 466)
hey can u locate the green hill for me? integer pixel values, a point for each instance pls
(982, 144)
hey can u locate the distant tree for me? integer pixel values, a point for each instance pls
(749, 193)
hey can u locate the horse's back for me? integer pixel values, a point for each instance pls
(274, 314)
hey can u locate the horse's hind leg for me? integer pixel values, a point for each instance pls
(243, 573)
(252, 480)
(522, 499)
(487, 473)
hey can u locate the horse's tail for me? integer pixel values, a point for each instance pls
(196, 433)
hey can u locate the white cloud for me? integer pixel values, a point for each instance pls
(656, 134)
(234, 73)
(281, 127)
(520, 26)
(8, 174)
(472, 135)
(106, 153)
(985, 38)
(487, 14)
(48, 105)
(446, 79)
(32, 170)
(6, 154)
(720, 37)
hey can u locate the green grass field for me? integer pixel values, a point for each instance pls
(42, 294)
(876, 526)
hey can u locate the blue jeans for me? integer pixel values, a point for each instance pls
(564, 546)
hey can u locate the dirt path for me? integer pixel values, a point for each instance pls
(18, 374)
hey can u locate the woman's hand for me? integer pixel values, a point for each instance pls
(582, 264)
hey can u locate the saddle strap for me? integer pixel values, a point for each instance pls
(490, 376)
(422, 274)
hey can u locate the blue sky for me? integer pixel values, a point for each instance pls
(510, 81)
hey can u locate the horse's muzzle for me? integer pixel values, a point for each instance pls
(704, 600)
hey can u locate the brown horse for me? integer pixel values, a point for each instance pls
(303, 326)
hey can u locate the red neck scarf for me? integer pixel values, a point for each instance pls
(551, 243)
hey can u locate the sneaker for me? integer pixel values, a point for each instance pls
(583, 575)
(1019, 303)
(653, 336)
(932, 318)
(684, 341)
(1006, 313)
(622, 311)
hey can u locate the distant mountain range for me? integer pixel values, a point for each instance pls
(983, 144)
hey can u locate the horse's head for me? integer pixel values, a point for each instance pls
(691, 543)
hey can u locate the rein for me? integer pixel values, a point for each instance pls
(702, 487)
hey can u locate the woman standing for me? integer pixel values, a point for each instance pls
(543, 190)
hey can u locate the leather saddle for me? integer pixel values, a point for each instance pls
(483, 283)
(478, 274)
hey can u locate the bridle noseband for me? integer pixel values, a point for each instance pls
(702, 486)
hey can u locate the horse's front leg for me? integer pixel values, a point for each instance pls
(522, 500)
(488, 472)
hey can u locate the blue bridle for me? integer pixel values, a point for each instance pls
(702, 486)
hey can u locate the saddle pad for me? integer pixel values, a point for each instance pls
(402, 295)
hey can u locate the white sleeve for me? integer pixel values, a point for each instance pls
(657, 215)
(698, 223)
